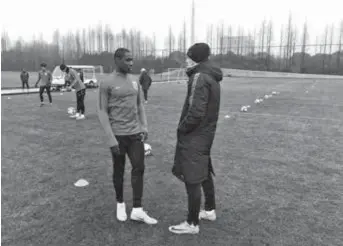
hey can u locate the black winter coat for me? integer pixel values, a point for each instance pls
(145, 81)
(198, 123)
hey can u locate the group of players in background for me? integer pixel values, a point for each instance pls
(74, 79)
(122, 116)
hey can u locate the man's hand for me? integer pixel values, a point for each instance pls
(144, 136)
(115, 150)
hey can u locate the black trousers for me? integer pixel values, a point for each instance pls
(80, 101)
(145, 92)
(25, 83)
(41, 90)
(133, 146)
(194, 199)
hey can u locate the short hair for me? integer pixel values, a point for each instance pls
(62, 67)
(43, 64)
(120, 53)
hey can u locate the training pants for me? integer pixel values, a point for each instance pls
(133, 146)
(194, 199)
(80, 101)
(41, 90)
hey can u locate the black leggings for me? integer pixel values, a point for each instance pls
(145, 92)
(194, 199)
(41, 90)
(133, 146)
(80, 101)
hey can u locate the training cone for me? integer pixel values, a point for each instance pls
(81, 183)
(227, 116)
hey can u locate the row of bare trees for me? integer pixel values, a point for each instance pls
(292, 48)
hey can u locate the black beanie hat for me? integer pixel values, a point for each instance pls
(199, 52)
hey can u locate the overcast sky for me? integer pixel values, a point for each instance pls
(28, 17)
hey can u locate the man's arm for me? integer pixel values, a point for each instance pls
(198, 105)
(141, 111)
(102, 106)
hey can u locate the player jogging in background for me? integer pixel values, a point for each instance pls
(80, 89)
(145, 81)
(44, 80)
(122, 116)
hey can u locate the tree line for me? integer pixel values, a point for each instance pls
(240, 49)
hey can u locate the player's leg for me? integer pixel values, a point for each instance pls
(41, 90)
(145, 91)
(48, 91)
(136, 156)
(210, 205)
(118, 162)
(191, 226)
(77, 114)
(82, 95)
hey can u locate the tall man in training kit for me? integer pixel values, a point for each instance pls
(44, 79)
(121, 113)
(195, 135)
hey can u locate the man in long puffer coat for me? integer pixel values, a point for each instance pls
(195, 135)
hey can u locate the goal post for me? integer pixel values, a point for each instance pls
(174, 75)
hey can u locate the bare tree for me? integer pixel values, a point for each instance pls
(84, 40)
(5, 41)
(325, 38)
(184, 37)
(303, 48)
(262, 36)
(269, 42)
(229, 39)
(339, 47)
(330, 46)
(78, 45)
(289, 42)
(280, 49)
(99, 35)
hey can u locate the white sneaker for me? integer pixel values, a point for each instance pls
(207, 215)
(138, 214)
(81, 117)
(75, 115)
(184, 228)
(121, 211)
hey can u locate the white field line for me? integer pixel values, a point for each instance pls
(290, 116)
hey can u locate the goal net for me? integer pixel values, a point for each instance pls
(174, 74)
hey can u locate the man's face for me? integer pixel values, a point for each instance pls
(190, 63)
(43, 69)
(125, 64)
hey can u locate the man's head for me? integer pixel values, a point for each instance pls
(198, 53)
(43, 66)
(123, 60)
(63, 67)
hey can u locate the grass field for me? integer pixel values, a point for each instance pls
(279, 170)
